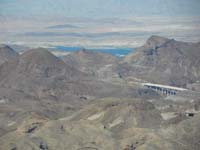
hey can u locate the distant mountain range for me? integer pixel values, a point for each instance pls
(37, 74)
(159, 60)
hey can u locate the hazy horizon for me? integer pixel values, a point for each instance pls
(86, 23)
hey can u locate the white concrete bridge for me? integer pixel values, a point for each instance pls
(168, 90)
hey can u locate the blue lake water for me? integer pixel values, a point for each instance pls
(113, 51)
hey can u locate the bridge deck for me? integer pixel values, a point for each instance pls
(164, 86)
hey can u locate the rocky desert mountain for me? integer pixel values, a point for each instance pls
(148, 100)
(38, 76)
(86, 58)
(166, 61)
(97, 64)
(115, 124)
(99, 74)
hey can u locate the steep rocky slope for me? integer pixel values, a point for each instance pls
(98, 126)
(86, 58)
(109, 124)
(6, 53)
(36, 71)
(166, 61)
(95, 101)
(41, 82)
(97, 64)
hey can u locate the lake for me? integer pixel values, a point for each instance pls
(120, 52)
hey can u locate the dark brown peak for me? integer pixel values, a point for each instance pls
(97, 56)
(156, 38)
(87, 52)
(39, 56)
(155, 41)
(40, 52)
(4, 47)
(7, 53)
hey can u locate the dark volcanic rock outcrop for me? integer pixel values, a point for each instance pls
(166, 61)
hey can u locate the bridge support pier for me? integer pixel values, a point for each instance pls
(164, 91)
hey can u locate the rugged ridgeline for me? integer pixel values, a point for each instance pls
(108, 124)
(85, 101)
(36, 73)
(37, 81)
(96, 64)
(6, 53)
(89, 61)
(166, 61)
(103, 66)
(41, 75)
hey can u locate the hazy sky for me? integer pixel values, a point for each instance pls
(100, 22)
(99, 8)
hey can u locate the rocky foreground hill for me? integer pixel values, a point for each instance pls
(90, 100)
(109, 124)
